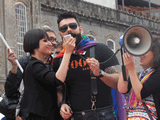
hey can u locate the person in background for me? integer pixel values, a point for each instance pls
(78, 80)
(143, 88)
(52, 37)
(58, 48)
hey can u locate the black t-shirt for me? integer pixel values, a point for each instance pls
(79, 80)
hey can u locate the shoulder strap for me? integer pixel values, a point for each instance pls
(93, 82)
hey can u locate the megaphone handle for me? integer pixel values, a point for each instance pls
(124, 72)
(123, 66)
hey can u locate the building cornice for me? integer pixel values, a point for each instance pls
(103, 15)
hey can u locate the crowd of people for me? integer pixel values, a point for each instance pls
(74, 83)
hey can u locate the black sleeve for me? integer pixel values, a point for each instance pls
(56, 64)
(12, 84)
(13, 80)
(42, 73)
(152, 85)
(103, 53)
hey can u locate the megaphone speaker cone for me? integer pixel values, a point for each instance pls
(137, 40)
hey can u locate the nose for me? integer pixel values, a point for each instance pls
(54, 43)
(69, 29)
(49, 43)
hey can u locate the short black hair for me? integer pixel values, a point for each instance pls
(155, 48)
(66, 15)
(32, 38)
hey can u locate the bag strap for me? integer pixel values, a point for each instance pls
(146, 108)
(94, 90)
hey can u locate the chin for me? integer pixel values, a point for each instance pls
(141, 64)
(49, 53)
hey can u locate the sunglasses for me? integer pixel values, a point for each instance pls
(65, 27)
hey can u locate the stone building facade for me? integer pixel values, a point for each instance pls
(103, 24)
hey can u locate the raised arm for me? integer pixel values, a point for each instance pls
(62, 71)
(15, 75)
(136, 84)
(12, 80)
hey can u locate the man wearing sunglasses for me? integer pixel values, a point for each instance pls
(78, 80)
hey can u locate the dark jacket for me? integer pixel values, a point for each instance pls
(39, 83)
(156, 97)
(13, 81)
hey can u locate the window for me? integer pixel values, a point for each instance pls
(21, 26)
(111, 45)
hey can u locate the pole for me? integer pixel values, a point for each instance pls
(149, 2)
(122, 5)
(6, 44)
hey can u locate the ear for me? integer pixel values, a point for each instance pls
(81, 29)
(60, 36)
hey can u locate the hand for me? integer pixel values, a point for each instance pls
(94, 66)
(12, 57)
(18, 118)
(129, 61)
(65, 111)
(69, 45)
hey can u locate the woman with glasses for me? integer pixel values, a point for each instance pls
(39, 81)
(142, 91)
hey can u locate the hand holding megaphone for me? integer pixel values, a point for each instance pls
(137, 41)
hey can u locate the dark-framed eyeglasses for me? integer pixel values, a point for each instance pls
(57, 52)
(65, 27)
(51, 39)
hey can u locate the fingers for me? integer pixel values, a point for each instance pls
(129, 61)
(94, 65)
(70, 45)
(65, 111)
(127, 56)
(12, 57)
(71, 40)
(92, 61)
